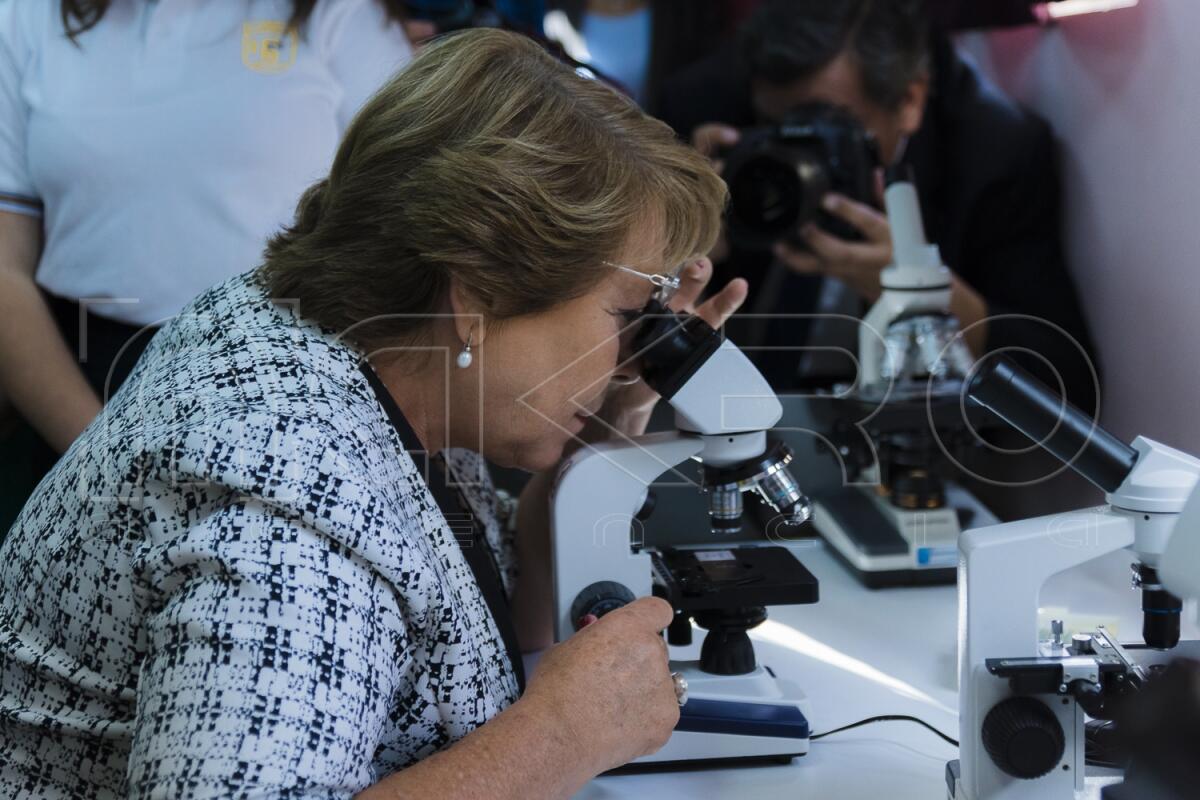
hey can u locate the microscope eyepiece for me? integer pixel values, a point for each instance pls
(672, 347)
(1031, 407)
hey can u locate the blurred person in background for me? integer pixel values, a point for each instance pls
(424, 19)
(985, 169)
(638, 43)
(632, 44)
(147, 150)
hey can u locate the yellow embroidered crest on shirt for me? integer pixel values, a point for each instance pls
(268, 46)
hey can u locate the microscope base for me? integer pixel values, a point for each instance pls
(883, 545)
(1077, 779)
(757, 717)
(1092, 789)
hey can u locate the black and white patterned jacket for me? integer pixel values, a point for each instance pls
(237, 583)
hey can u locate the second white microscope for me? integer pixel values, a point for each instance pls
(897, 519)
(1025, 703)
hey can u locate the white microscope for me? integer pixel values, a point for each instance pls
(899, 519)
(1025, 703)
(737, 708)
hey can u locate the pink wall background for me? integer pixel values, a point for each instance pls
(1122, 90)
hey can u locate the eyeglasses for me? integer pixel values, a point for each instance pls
(667, 284)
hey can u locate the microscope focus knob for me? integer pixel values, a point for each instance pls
(1023, 737)
(599, 598)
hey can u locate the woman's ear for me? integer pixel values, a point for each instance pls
(912, 105)
(468, 314)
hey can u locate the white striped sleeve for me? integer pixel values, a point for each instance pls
(363, 48)
(17, 193)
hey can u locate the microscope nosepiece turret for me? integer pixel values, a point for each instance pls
(768, 476)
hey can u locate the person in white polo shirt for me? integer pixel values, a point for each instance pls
(148, 148)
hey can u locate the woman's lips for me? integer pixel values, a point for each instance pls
(590, 410)
(584, 414)
(582, 417)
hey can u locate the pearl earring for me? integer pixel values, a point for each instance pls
(465, 358)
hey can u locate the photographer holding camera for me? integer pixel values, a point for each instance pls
(812, 77)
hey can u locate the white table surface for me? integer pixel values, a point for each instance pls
(861, 653)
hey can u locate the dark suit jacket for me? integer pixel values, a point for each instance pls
(988, 180)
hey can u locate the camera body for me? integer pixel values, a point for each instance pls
(778, 174)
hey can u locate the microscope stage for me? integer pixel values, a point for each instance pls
(883, 545)
(733, 577)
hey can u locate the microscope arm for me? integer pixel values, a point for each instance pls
(1014, 560)
(597, 496)
(915, 283)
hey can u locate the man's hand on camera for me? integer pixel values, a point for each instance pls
(858, 264)
(709, 139)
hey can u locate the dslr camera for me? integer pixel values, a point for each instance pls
(777, 176)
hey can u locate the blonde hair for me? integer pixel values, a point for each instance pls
(488, 161)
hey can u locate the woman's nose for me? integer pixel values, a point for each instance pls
(628, 372)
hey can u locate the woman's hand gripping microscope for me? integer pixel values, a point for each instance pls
(723, 410)
(1024, 703)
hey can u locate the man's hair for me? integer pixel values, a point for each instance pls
(789, 40)
(487, 161)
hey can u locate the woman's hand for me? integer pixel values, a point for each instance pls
(610, 686)
(598, 700)
(626, 409)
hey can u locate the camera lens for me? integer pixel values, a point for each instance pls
(776, 192)
(778, 175)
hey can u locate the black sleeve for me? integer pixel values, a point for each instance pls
(956, 15)
(1013, 256)
(715, 89)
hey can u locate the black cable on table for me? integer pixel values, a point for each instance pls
(886, 718)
